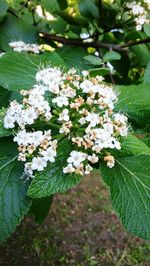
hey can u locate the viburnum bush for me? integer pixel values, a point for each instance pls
(74, 98)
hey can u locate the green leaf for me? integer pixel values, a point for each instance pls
(17, 71)
(147, 29)
(3, 8)
(146, 78)
(129, 182)
(15, 29)
(40, 208)
(88, 8)
(14, 203)
(3, 131)
(110, 56)
(94, 60)
(141, 55)
(74, 57)
(133, 36)
(132, 145)
(52, 179)
(134, 101)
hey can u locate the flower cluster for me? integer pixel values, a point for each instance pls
(140, 11)
(67, 105)
(20, 46)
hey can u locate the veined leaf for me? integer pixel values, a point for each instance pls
(18, 72)
(132, 145)
(129, 182)
(15, 29)
(134, 101)
(14, 203)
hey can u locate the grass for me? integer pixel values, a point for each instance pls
(80, 230)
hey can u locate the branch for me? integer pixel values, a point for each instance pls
(133, 43)
(86, 43)
(79, 42)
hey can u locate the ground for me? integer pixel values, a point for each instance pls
(80, 230)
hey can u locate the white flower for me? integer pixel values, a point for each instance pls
(38, 163)
(49, 76)
(93, 158)
(76, 158)
(9, 121)
(86, 86)
(121, 119)
(22, 138)
(30, 115)
(60, 101)
(64, 115)
(82, 120)
(85, 73)
(93, 118)
(69, 169)
(20, 46)
(49, 155)
(36, 138)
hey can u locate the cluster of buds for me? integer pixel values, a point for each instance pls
(78, 107)
(20, 46)
(139, 10)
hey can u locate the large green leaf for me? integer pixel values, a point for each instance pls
(52, 179)
(14, 203)
(17, 71)
(134, 100)
(15, 29)
(129, 182)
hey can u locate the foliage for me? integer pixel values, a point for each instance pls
(102, 37)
